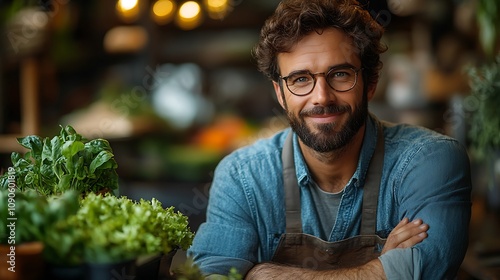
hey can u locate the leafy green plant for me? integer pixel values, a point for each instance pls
(485, 120)
(190, 271)
(64, 162)
(488, 19)
(109, 229)
(28, 216)
(15, 6)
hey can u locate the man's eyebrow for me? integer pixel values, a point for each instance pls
(300, 71)
(342, 66)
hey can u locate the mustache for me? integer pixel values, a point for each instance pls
(323, 110)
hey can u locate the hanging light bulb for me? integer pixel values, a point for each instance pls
(163, 11)
(128, 10)
(217, 9)
(189, 15)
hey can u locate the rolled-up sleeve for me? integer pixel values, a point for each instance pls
(434, 185)
(399, 264)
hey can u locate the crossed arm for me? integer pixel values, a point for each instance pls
(404, 235)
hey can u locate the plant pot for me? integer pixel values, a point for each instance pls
(118, 270)
(155, 267)
(23, 261)
(61, 272)
(148, 267)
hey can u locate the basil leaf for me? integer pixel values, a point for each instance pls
(64, 182)
(71, 148)
(103, 160)
(33, 143)
(81, 171)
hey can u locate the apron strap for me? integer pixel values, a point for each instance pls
(372, 186)
(292, 191)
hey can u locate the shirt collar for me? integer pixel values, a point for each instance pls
(367, 150)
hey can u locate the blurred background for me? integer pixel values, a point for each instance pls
(173, 86)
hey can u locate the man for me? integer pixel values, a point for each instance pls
(340, 195)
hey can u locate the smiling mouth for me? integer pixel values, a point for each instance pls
(326, 114)
(325, 118)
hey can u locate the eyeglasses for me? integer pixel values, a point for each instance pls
(339, 79)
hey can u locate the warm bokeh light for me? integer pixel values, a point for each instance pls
(189, 15)
(127, 4)
(163, 11)
(128, 10)
(217, 9)
(125, 39)
(216, 4)
(189, 10)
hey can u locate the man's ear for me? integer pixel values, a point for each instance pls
(371, 90)
(279, 95)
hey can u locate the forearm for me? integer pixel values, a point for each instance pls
(372, 270)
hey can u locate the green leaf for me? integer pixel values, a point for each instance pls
(488, 20)
(81, 171)
(47, 154)
(56, 144)
(64, 183)
(15, 157)
(102, 160)
(4, 183)
(71, 148)
(68, 133)
(33, 143)
(20, 162)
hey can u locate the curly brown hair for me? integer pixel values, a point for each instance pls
(294, 19)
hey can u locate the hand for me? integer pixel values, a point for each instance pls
(406, 234)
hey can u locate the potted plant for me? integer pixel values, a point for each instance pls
(65, 162)
(114, 232)
(25, 218)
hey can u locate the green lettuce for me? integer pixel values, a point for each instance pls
(108, 229)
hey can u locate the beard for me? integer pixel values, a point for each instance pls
(327, 139)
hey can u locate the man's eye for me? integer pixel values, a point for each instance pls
(340, 74)
(300, 79)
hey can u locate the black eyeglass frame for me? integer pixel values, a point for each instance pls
(325, 74)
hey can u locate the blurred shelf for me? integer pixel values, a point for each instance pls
(8, 143)
(29, 106)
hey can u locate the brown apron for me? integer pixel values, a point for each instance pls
(303, 250)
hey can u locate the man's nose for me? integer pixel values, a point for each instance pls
(322, 93)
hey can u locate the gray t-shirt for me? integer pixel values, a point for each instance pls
(327, 207)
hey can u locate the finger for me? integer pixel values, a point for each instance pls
(409, 233)
(406, 236)
(414, 240)
(407, 226)
(401, 224)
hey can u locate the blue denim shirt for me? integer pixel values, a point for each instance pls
(425, 175)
